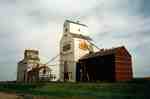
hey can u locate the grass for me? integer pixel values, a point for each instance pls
(137, 89)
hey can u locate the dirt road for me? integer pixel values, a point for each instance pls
(9, 96)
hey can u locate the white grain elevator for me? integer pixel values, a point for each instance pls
(74, 44)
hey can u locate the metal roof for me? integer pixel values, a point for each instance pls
(80, 36)
(76, 23)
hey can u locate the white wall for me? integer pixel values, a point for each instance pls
(67, 56)
(78, 29)
(79, 52)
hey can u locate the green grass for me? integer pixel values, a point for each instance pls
(134, 89)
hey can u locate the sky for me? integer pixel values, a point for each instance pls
(39, 24)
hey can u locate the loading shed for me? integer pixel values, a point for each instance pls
(105, 65)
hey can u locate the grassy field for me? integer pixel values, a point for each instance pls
(124, 90)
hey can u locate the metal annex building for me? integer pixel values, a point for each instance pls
(30, 69)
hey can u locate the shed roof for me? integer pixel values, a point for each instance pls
(103, 52)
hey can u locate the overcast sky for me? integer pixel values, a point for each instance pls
(38, 24)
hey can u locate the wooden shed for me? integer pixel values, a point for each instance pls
(105, 65)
